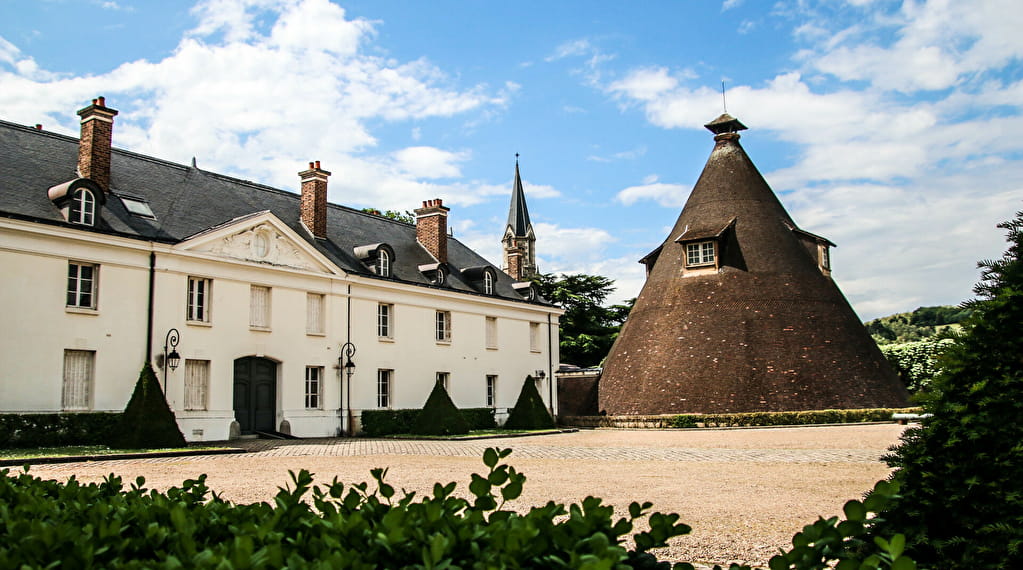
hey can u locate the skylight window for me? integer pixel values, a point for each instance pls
(138, 207)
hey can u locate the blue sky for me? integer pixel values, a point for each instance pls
(892, 128)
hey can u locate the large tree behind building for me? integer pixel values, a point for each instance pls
(588, 327)
(961, 472)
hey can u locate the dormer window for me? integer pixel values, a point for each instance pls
(83, 207)
(488, 283)
(379, 257)
(437, 273)
(441, 277)
(483, 278)
(701, 253)
(79, 201)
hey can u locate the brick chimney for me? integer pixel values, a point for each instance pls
(94, 145)
(314, 199)
(432, 228)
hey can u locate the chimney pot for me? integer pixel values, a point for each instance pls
(102, 101)
(39, 127)
(317, 165)
(310, 165)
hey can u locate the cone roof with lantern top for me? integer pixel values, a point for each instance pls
(739, 312)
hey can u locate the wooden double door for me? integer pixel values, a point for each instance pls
(255, 394)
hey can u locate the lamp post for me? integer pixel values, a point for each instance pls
(170, 359)
(345, 363)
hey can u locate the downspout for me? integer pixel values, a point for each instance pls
(550, 365)
(348, 378)
(149, 310)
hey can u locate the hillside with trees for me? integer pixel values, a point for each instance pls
(913, 342)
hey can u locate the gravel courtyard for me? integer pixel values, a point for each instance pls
(744, 492)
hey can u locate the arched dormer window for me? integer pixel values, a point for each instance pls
(437, 273)
(441, 277)
(488, 283)
(83, 207)
(383, 263)
(483, 278)
(379, 257)
(79, 201)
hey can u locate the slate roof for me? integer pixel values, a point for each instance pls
(187, 201)
(766, 331)
(518, 214)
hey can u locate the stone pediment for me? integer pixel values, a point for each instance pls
(263, 239)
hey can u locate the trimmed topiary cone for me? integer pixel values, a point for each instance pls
(440, 416)
(147, 422)
(529, 412)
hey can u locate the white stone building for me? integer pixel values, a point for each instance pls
(106, 252)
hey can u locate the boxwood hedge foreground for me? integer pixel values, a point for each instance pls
(105, 525)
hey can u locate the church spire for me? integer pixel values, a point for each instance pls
(519, 239)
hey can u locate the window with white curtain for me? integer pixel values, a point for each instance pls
(491, 390)
(79, 369)
(315, 318)
(384, 388)
(385, 317)
(259, 307)
(198, 301)
(443, 330)
(197, 384)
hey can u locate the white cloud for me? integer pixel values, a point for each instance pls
(429, 162)
(729, 4)
(645, 84)
(260, 87)
(667, 195)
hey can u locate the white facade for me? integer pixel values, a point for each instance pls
(104, 258)
(36, 258)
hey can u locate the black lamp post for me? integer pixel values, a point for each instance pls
(345, 362)
(170, 359)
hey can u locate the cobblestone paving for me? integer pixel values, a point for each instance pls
(524, 448)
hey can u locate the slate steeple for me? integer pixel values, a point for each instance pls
(739, 312)
(519, 241)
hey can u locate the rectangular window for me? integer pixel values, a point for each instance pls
(313, 387)
(81, 285)
(385, 314)
(79, 368)
(198, 302)
(443, 326)
(491, 332)
(491, 390)
(197, 384)
(701, 253)
(443, 378)
(259, 307)
(384, 388)
(534, 337)
(314, 313)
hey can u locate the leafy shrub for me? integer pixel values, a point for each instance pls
(916, 362)
(47, 523)
(56, 430)
(439, 415)
(960, 471)
(378, 423)
(147, 421)
(529, 412)
(750, 419)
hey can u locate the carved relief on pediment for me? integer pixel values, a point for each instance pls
(262, 244)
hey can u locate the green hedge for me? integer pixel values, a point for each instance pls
(56, 430)
(73, 525)
(376, 423)
(788, 418)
